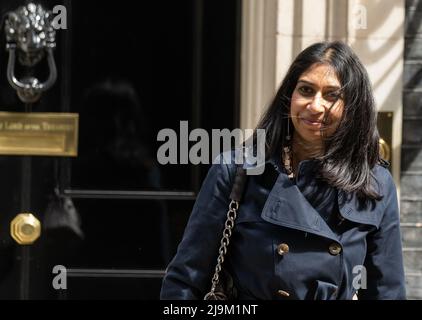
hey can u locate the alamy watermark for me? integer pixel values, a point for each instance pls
(360, 278)
(359, 17)
(60, 280)
(60, 17)
(176, 150)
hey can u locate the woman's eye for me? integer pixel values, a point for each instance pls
(306, 91)
(332, 96)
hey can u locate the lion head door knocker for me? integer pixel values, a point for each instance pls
(30, 36)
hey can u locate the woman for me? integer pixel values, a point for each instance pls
(322, 221)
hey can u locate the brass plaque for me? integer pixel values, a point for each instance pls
(385, 128)
(39, 134)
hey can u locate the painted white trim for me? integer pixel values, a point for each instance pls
(258, 59)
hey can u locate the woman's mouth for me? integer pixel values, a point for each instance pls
(312, 123)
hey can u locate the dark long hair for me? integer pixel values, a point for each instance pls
(353, 150)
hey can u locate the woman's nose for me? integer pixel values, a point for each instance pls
(317, 105)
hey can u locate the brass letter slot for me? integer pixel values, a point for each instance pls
(39, 134)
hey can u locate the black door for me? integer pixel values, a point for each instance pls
(112, 216)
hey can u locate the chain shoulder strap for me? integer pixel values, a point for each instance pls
(235, 196)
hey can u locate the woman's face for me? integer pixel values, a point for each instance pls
(317, 106)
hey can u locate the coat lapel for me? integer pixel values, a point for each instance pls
(354, 210)
(286, 206)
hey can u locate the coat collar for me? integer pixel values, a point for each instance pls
(287, 206)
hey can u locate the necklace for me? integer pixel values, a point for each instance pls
(287, 160)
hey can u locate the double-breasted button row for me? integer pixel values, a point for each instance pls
(283, 293)
(282, 249)
(334, 248)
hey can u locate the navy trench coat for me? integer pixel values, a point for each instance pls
(282, 247)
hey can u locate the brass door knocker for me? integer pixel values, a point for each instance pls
(30, 35)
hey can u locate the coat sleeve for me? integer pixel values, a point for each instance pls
(189, 274)
(384, 259)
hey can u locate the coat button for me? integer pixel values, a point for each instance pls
(282, 249)
(283, 293)
(334, 248)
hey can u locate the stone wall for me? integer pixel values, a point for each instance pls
(411, 168)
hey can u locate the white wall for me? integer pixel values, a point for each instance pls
(275, 31)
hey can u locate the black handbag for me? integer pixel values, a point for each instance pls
(222, 287)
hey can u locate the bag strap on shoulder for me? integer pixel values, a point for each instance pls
(238, 184)
(235, 196)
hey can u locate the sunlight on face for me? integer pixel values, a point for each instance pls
(317, 106)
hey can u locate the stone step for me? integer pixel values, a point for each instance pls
(412, 237)
(414, 286)
(410, 211)
(411, 185)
